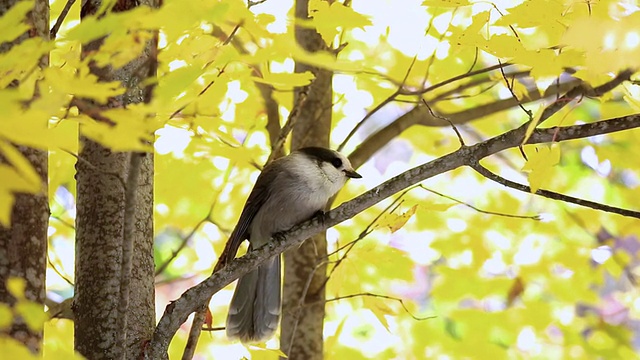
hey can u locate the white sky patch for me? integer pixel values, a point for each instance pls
(372, 344)
(212, 231)
(235, 93)
(355, 55)
(463, 259)
(528, 341)
(456, 225)
(162, 209)
(287, 66)
(177, 64)
(565, 315)
(610, 42)
(497, 239)
(547, 217)
(162, 40)
(529, 251)
(601, 254)
(172, 140)
(256, 139)
(417, 245)
(495, 265)
(632, 40)
(221, 163)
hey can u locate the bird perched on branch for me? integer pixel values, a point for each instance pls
(289, 190)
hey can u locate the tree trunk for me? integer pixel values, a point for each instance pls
(304, 277)
(23, 246)
(100, 227)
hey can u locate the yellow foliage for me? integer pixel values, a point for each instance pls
(539, 165)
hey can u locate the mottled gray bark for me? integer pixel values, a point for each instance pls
(100, 226)
(23, 246)
(305, 273)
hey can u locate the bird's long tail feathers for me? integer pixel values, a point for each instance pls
(255, 307)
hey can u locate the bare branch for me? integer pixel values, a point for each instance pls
(454, 79)
(367, 294)
(532, 217)
(553, 195)
(183, 244)
(513, 94)
(177, 312)
(63, 14)
(419, 115)
(379, 106)
(276, 147)
(455, 129)
(194, 334)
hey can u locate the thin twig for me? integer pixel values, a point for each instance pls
(217, 328)
(63, 14)
(276, 148)
(59, 272)
(63, 222)
(194, 334)
(379, 106)
(401, 301)
(367, 230)
(553, 195)
(455, 129)
(175, 113)
(454, 79)
(513, 94)
(183, 244)
(532, 217)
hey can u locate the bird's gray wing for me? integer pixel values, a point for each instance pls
(257, 197)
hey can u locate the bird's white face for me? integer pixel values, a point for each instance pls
(324, 171)
(339, 169)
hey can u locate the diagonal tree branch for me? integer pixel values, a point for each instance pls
(420, 115)
(552, 194)
(177, 312)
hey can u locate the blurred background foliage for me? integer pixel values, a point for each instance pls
(494, 273)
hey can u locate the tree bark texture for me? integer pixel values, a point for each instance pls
(100, 225)
(305, 271)
(23, 246)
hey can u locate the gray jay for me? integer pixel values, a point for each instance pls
(289, 190)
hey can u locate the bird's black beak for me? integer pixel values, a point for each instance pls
(352, 174)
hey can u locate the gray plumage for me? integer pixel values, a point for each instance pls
(289, 191)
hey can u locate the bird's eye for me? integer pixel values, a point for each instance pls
(336, 162)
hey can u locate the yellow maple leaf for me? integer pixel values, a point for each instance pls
(379, 309)
(539, 165)
(395, 222)
(327, 19)
(285, 80)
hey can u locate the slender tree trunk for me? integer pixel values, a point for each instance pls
(100, 227)
(305, 271)
(23, 246)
